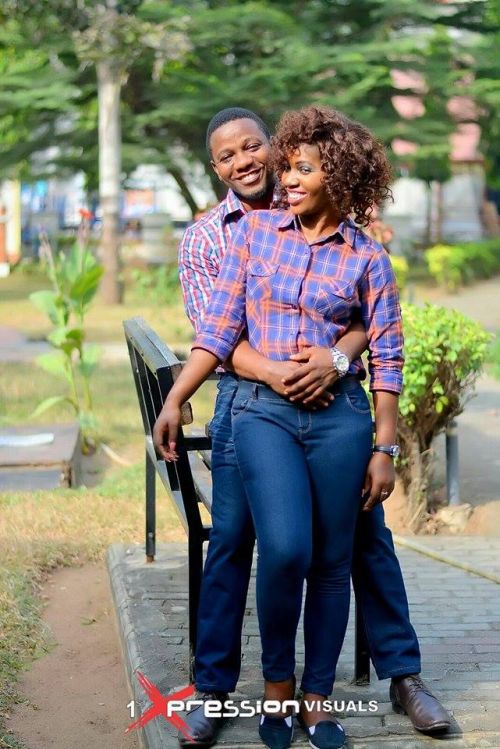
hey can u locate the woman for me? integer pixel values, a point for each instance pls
(295, 278)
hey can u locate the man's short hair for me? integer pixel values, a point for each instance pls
(230, 114)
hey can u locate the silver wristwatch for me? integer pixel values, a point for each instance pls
(340, 361)
(392, 450)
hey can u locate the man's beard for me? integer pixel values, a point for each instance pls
(258, 194)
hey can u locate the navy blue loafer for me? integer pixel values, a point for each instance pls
(276, 733)
(326, 734)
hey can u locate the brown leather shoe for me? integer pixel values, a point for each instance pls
(410, 696)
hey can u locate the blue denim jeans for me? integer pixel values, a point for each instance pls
(303, 473)
(381, 597)
(376, 574)
(229, 558)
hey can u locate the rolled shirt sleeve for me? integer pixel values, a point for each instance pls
(225, 318)
(381, 314)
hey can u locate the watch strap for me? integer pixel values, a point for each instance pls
(392, 450)
(336, 355)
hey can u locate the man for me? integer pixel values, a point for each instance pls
(238, 146)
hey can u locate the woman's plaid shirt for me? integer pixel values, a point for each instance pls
(289, 294)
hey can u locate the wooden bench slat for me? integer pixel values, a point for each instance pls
(202, 480)
(206, 456)
(197, 442)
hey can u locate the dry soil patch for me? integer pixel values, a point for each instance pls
(76, 694)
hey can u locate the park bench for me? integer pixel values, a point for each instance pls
(155, 368)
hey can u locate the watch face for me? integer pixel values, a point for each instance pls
(395, 451)
(342, 363)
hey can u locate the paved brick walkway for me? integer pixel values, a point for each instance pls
(456, 615)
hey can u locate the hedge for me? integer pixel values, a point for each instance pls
(456, 265)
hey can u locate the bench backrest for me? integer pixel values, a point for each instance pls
(155, 368)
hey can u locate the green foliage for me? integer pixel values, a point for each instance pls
(158, 286)
(64, 242)
(483, 85)
(401, 270)
(75, 277)
(493, 357)
(455, 265)
(444, 354)
(433, 166)
(187, 60)
(40, 85)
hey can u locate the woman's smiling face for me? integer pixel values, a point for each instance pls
(304, 182)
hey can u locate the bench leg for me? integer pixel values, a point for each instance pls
(195, 550)
(150, 510)
(361, 655)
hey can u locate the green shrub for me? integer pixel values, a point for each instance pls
(75, 277)
(493, 357)
(400, 267)
(455, 265)
(65, 243)
(445, 352)
(158, 286)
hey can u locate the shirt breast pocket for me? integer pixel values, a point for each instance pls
(260, 278)
(335, 299)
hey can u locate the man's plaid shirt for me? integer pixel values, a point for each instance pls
(200, 254)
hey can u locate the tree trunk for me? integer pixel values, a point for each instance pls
(185, 191)
(414, 473)
(439, 212)
(109, 86)
(219, 187)
(3, 248)
(428, 227)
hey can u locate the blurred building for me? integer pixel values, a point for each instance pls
(456, 205)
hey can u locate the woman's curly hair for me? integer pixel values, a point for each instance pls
(358, 173)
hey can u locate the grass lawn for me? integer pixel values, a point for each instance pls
(104, 322)
(45, 530)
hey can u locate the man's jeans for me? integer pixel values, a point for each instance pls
(376, 574)
(229, 558)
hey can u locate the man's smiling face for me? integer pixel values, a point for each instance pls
(240, 155)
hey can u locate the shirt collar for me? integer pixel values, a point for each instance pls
(231, 204)
(346, 229)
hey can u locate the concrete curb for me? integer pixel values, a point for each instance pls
(151, 736)
(444, 558)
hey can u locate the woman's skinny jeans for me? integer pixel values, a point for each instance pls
(303, 473)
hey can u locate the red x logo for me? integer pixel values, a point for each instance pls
(159, 706)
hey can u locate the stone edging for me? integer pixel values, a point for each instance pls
(439, 557)
(149, 736)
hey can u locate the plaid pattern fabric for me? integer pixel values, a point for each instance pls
(200, 254)
(289, 294)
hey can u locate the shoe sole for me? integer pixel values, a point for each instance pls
(317, 747)
(311, 744)
(436, 728)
